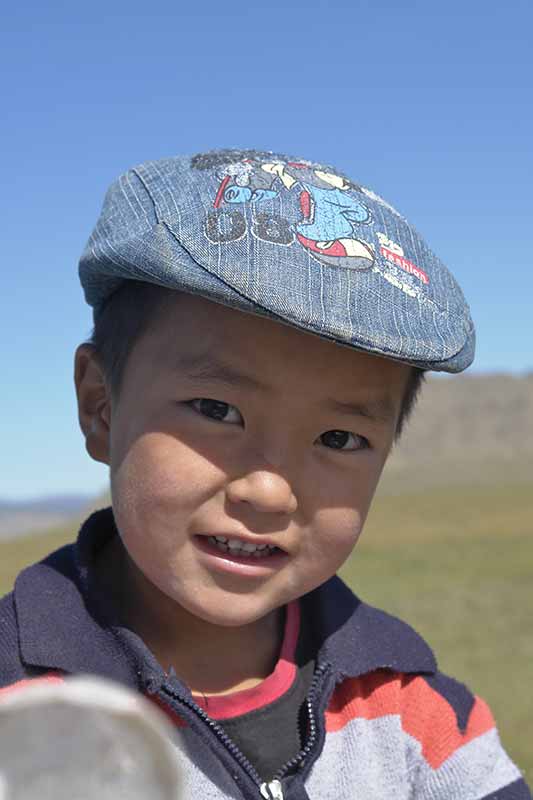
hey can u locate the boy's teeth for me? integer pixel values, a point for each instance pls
(236, 546)
(221, 545)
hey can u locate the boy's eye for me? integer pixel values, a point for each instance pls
(217, 410)
(343, 440)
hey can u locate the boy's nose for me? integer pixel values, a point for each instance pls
(265, 490)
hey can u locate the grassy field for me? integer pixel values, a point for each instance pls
(456, 565)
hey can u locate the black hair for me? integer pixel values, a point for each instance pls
(412, 390)
(118, 325)
(131, 309)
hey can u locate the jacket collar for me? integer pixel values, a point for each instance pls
(357, 638)
(60, 621)
(61, 625)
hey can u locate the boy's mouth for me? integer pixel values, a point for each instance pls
(241, 556)
(239, 548)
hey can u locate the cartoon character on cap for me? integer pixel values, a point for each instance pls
(330, 213)
(235, 185)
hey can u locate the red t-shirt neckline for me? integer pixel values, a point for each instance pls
(271, 688)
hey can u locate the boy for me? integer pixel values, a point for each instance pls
(262, 326)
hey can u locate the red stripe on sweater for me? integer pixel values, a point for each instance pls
(51, 677)
(368, 697)
(430, 719)
(425, 714)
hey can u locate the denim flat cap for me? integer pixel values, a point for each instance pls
(284, 238)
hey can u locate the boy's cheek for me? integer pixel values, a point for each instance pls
(332, 539)
(319, 561)
(156, 468)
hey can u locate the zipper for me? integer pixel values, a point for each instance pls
(272, 790)
(221, 735)
(269, 790)
(312, 733)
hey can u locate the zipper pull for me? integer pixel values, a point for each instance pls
(272, 790)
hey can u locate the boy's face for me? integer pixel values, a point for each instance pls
(235, 426)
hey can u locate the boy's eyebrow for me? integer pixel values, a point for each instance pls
(380, 409)
(212, 368)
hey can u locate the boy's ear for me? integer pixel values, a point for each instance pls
(94, 402)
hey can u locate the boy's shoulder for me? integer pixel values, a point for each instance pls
(391, 701)
(358, 638)
(32, 582)
(54, 620)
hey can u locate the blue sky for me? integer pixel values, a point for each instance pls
(427, 103)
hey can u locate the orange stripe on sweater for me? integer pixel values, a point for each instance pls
(368, 697)
(52, 677)
(430, 719)
(425, 714)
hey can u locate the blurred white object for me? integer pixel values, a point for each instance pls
(85, 739)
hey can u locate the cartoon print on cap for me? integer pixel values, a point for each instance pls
(328, 211)
(323, 221)
(235, 186)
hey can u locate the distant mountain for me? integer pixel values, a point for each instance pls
(18, 517)
(60, 504)
(471, 429)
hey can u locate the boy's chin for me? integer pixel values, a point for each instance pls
(232, 613)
